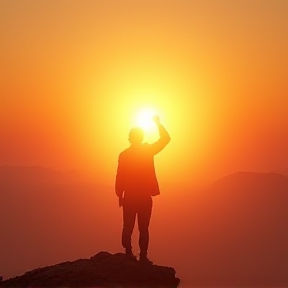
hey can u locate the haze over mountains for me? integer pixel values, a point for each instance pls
(283, 172)
(233, 232)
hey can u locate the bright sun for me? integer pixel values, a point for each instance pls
(145, 119)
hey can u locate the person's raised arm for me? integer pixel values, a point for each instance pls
(164, 137)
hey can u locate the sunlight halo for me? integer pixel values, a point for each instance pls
(144, 119)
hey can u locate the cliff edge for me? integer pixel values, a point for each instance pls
(102, 270)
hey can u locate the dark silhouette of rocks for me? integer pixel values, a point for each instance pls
(102, 270)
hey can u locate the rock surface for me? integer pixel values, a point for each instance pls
(102, 270)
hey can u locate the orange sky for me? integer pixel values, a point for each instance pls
(74, 73)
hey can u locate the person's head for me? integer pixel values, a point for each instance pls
(136, 135)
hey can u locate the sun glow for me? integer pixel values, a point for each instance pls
(145, 119)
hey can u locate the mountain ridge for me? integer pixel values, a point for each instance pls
(247, 175)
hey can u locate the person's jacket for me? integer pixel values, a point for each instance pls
(136, 172)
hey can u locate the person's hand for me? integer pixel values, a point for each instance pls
(156, 119)
(120, 202)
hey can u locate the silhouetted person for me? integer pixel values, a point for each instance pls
(135, 185)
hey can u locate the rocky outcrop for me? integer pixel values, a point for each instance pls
(102, 270)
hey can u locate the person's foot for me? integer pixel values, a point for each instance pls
(129, 255)
(145, 261)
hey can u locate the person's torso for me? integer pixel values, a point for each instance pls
(139, 172)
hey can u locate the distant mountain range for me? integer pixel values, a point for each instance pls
(281, 172)
(244, 177)
(238, 231)
(232, 233)
(42, 210)
(36, 174)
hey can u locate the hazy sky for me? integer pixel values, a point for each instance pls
(74, 73)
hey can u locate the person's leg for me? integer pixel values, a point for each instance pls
(144, 215)
(129, 216)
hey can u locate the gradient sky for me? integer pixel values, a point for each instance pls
(74, 73)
